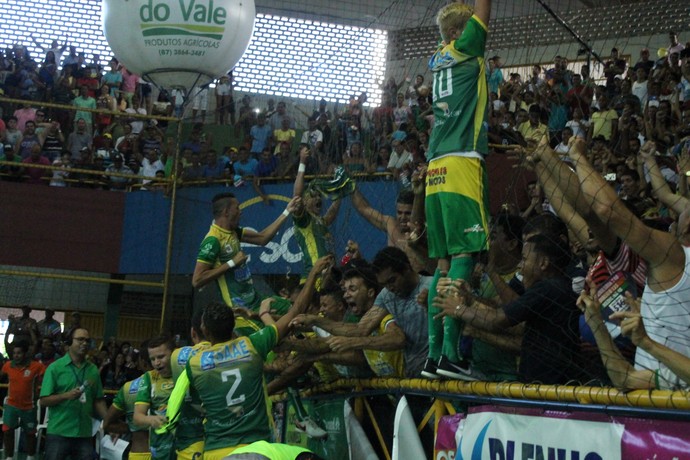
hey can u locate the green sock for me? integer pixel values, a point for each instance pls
(460, 268)
(435, 325)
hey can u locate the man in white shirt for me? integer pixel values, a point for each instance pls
(399, 157)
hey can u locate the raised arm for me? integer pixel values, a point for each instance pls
(332, 212)
(304, 298)
(374, 217)
(661, 250)
(562, 188)
(622, 374)
(298, 188)
(482, 9)
(659, 186)
(263, 237)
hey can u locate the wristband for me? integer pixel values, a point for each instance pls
(264, 313)
(231, 263)
(286, 212)
(301, 168)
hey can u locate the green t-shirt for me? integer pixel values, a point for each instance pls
(313, 238)
(72, 419)
(190, 426)
(125, 399)
(155, 391)
(235, 285)
(460, 93)
(229, 380)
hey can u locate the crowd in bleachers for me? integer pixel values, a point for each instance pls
(607, 224)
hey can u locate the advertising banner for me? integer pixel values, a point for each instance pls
(521, 434)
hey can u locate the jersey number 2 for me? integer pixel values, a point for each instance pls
(225, 376)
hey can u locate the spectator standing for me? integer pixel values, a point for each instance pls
(79, 139)
(495, 75)
(199, 102)
(72, 390)
(87, 102)
(224, 100)
(283, 134)
(48, 327)
(24, 375)
(261, 134)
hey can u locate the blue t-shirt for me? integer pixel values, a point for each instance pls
(214, 171)
(266, 169)
(246, 169)
(260, 136)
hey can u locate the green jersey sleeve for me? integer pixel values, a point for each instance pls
(209, 250)
(472, 41)
(119, 400)
(144, 393)
(264, 340)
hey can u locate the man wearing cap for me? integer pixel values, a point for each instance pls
(118, 166)
(495, 75)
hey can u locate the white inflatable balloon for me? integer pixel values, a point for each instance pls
(181, 42)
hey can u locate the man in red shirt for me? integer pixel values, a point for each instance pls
(24, 376)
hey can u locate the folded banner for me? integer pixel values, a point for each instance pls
(406, 442)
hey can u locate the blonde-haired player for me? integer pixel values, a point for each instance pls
(456, 181)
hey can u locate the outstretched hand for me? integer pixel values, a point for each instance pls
(294, 204)
(453, 298)
(631, 321)
(589, 304)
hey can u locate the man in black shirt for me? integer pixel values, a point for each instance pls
(549, 347)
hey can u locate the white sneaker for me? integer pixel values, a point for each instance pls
(310, 427)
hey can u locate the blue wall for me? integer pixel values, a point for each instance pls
(147, 215)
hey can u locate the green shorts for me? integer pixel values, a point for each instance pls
(457, 206)
(14, 418)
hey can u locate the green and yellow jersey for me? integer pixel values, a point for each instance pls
(228, 378)
(125, 399)
(155, 391)
(460, 94)
(190, 426)
(313, 238)
(235, 285)
(385, 363)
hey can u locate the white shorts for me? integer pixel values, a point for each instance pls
(200, 101)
